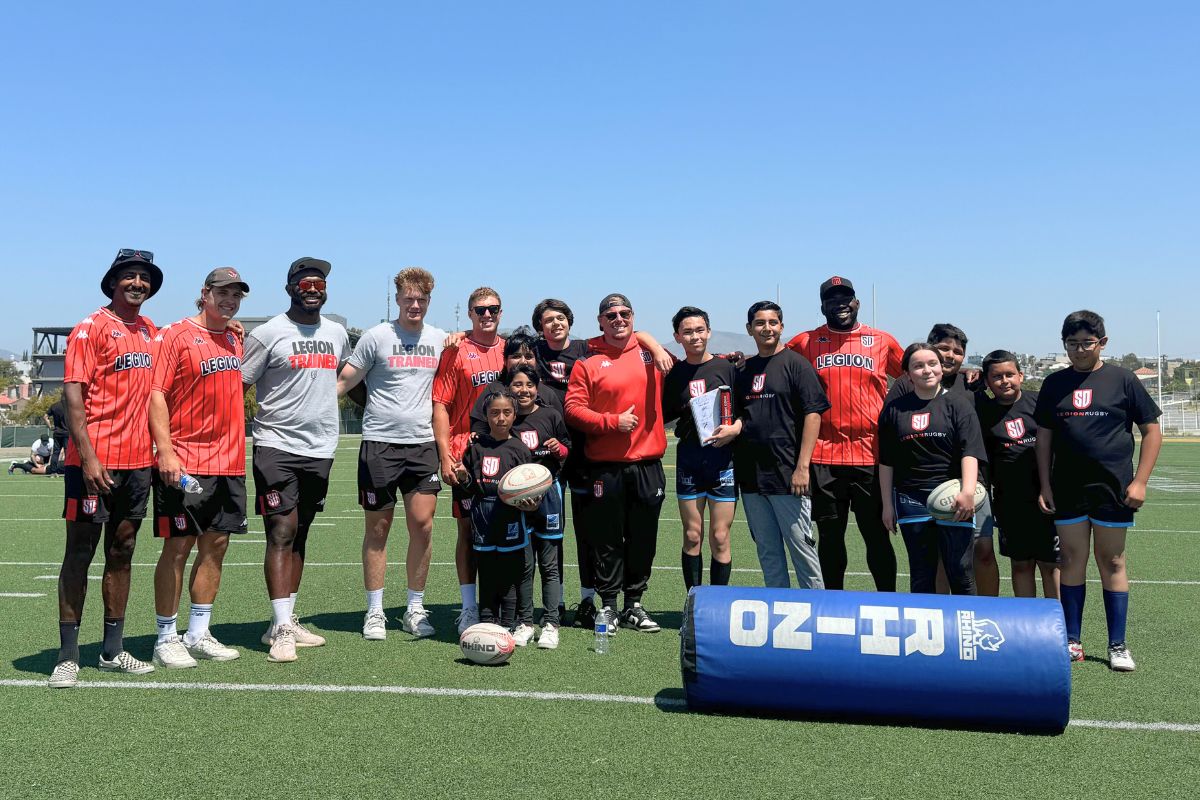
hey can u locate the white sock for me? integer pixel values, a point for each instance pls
(281, 611)
(587, 594)
(166, 627)
(416, 599)
(198, 623)
(374, 600)
(467, 590)
(291, 605)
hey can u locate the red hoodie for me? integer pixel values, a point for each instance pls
(602, 387)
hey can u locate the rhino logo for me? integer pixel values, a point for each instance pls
(977, 634)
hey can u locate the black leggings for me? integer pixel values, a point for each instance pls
(546, 554)
(499, 576)
(927, 542)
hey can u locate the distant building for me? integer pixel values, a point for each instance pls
(49, 356)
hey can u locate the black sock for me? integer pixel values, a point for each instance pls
(114, 637)
(693, 570)
(68, 641)
(719, 572)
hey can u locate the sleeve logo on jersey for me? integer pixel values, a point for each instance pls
(867, 341)
(598, 489)
(273, 499)
(491, 465)
(605, 363)
(558, 370)
(181, 523)
(759, 382)
(1015, 428)
(89, 505)
(646, 359)
(1081, 398)
(920, 421)
(530, 438)
(696, 388)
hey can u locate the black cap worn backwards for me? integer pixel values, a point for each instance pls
(615, 299)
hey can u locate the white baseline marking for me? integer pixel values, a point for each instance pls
(426, 691)
(22, 594)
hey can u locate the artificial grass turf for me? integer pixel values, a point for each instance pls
(60, 743)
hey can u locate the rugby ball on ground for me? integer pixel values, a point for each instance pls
(941, 500)
(485, 643)
(524, 481)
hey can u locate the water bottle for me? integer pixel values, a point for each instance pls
(601, 645)
(189, 484)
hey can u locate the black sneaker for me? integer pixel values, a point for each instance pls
(585, 614)
(614, 620)
(636, 618)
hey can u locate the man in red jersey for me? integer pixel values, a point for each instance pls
(615, 397)
(462, 374)
(198, 421)
(107, 474)
(853, 362)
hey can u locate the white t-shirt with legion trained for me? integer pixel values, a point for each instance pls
(294, 368)
(399, 366)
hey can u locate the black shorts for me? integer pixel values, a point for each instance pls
(704, 472)
(126, 499)
(387, 470)
(1097, 502)
(284, 482)
(837, 487)
(1025, 532)
(221, 507)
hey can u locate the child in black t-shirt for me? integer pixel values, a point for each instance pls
(928, 437)
(1027, 536)
(542, 429)
(499, 533)
(1085, 418)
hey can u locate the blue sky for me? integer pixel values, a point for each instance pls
(993, 165)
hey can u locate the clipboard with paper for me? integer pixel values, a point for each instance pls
(711, 409)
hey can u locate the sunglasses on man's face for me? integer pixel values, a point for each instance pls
(144, 255)
(311, 285)
(613, 316)
(482, 310)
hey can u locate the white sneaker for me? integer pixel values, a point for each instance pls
(305, 637)
(1120, 659)
(548, 640)
(268, 637)
(126, 664)
(65, 675)
(171, 654)
(283, 645)
(375, 626)
(209, 648)
(523, 634)
(416, 622)
(466, 618)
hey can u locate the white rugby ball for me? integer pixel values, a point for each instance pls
(941, 500)
(485, 643)
(524, 481)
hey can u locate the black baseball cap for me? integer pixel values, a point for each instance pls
(615, 299)
(129, 257)
(226, 276)
(835, 283)
(306, 263)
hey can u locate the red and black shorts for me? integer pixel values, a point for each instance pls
(387, 471)
(285, 482)
(220, 507)
(126, 499)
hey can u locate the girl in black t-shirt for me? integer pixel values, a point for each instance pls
(926, 438)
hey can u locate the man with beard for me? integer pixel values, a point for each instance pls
(293, 360)
(853, 362)
(109, 366)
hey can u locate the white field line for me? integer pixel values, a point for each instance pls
(657, 568)
(22, 594)
(426, 691)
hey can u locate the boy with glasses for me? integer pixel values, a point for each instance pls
(462, 375)
(1085, 418)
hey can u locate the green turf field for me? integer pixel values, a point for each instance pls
(301, 733)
